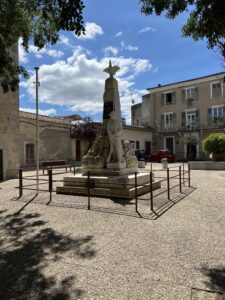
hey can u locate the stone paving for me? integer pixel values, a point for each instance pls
(57, 252)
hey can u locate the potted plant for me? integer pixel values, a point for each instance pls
(215, 144)
(191, 142)
(190, 101)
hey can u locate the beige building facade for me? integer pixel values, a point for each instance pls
(9, 131)
(177, 111)
(55, 142)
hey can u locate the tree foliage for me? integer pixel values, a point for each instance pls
(36, 20)
(214, 143)
(206, 18)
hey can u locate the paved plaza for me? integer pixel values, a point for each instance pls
(62, 252)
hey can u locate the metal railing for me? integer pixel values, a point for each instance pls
(193, 127)
(175, 177)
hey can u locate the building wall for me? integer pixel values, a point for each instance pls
(9, 131)
(201, 106)
(138, 134)
(54, 141)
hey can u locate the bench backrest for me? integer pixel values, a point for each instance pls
(47, 163)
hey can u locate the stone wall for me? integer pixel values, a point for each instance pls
(9, 133)
(54, 141)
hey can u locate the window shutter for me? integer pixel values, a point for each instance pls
(197, 116)
(162, 119)
(162, 99)
(183, 118)
(174, 98)
(209, 115)
(196, 93)
(183, 96)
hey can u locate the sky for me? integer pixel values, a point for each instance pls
(149, 50)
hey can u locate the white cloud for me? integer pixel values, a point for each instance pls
(23, 59)
(120, 33)
(146, 29)
(128, 47)
(91, 31)
(78, 82)
(50, 52)
(64, 40)
(110, 50)
(44, 112)
(155, 69)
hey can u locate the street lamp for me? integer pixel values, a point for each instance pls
(37, 130)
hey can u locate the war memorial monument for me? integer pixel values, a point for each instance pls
(110, 162)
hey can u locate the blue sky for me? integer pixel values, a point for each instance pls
(149, 50)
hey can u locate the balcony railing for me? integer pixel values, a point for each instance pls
(192, 127)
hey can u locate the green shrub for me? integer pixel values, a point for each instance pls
(214, 144)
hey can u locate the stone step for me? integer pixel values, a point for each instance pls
(107, 192)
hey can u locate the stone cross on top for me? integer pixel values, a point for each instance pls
(111, 70)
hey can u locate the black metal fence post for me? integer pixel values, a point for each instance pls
(183, 173)
(74, 170)
(88, 190)
(180, 181)
(50, 185)
(168, 183)
(20, 182)
(136, 197)
(189, 175)
(151, 191)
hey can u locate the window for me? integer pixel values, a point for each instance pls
(190, 93)
(216, 89)
(29, 153)
(190, 119)
(137, 145)
(168, 118)
(217, 113)
(168, 98)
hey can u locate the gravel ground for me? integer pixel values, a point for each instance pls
(58, 252)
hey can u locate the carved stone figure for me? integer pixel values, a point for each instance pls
(114, 130)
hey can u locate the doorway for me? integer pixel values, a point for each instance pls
(169, 144)
(1, 165)
(78, 152)
(147, 148)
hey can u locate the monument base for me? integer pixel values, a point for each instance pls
(122, 186)
(109, 172)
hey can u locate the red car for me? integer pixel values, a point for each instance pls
(158, 155)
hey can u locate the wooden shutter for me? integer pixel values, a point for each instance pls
(183, 96)
(174, 98)
(196, 93)
(209, 115)
(197, 116)
(162, 99)
(183, 118)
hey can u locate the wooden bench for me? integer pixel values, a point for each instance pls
(54, 164)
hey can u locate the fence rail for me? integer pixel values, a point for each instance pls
(176, 177)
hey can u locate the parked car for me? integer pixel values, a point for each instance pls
(158, 155)
(140, 154)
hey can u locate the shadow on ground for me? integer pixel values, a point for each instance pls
(215, 278)
(27, 247)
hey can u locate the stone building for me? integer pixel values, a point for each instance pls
(179, 111)
(54, 139)
(9, 132)
(63, 138)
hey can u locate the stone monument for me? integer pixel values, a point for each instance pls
(110, 163)
(108, 155)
